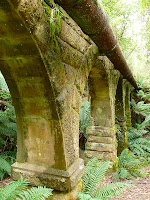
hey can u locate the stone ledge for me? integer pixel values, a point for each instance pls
(101, 131)
(54, 178)
(102, 156)
(100, 147)
(98, 139)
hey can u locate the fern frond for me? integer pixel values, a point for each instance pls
(93, 177)
(13, 189)
(4, 167)
(83, 196)
(39, 193)
(110, 190)
(129, 166)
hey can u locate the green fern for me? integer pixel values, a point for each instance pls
(18, 190)
(142, 109)
(39, 193)
(108, 191)
(92, 178)
(84, 117)
(129, 166)
(140, 146)
(6, 160)
(143, 95)
(8, 128)
(5, 167)
(13, 189)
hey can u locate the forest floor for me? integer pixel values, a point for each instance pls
(139, 191)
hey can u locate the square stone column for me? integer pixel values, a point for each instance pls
(127, 96)
(121, 117)
(101, 143)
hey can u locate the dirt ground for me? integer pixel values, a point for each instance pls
(141, 191)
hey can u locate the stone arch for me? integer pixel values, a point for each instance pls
(31, 91)
(101, 133)
(46, 89)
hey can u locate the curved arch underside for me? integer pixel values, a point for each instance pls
(31, 90)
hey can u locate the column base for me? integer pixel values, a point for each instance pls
(60, 180)
(72, 195)
(101, 143)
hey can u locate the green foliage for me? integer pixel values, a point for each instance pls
(6, 160)
(142, 83)
(18, 190)
(54, 18)
(3, 84)
(54, 15)
(130, 21)
(143, 95)
(140, 146)
(84, 118)
(92, 179)
(8, 131)
(5, 167)
(128, 166)
(143, 109)
(119, 14)
(4, 91)
(8, 128)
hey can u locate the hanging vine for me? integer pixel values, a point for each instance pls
(54, 15)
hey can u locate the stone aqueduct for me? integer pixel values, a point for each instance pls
(47, 85)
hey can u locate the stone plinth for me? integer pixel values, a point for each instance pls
(57, 179)
(101, 143)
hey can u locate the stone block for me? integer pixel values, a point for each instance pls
(101, 131)
(69, 35)
(72, 195)
(100, 147)
(103, 156)
(75, 27)
(56, 179)
(71, 56)
(105, 140)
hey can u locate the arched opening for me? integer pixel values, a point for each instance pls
(84, 119)
(101, 133)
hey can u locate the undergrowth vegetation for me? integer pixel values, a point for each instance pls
(8, 131)
(92, 182)
(84, 117)
(129, 166)
(18, 190)
(139, 145)
(138, 155)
